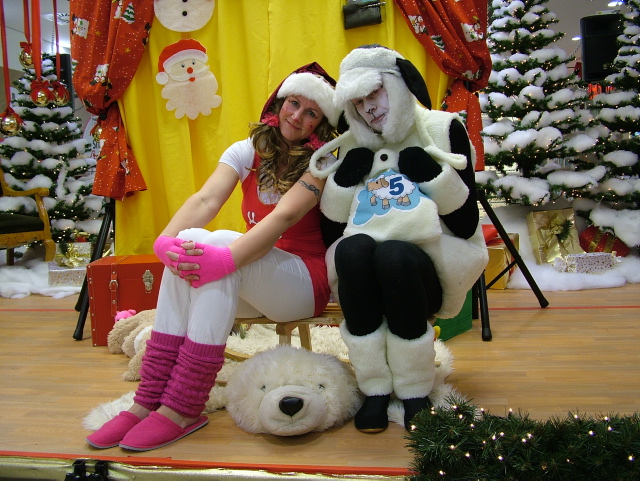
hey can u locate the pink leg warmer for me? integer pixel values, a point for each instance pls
(193, 377)
(157, 363)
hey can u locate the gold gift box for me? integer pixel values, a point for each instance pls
(553, 233)
(73, 254)
(499, 259)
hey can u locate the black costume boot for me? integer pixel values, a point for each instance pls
(372, 416)
(413, 407)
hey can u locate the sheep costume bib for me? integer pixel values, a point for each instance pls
(416, 216)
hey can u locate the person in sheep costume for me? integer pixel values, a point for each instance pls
(397, 263)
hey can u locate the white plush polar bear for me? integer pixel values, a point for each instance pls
(289, 391)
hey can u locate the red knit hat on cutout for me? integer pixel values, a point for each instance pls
(181, 50)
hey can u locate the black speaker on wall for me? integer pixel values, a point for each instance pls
(599, 45)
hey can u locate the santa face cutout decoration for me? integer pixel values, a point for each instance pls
(189, 86)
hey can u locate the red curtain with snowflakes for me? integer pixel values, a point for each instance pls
(108, 38)
(454, 34)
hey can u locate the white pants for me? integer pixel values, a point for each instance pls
(277, 286)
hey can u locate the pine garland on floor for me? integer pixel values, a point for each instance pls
(462, 441)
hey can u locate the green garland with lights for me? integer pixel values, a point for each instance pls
(461, 441)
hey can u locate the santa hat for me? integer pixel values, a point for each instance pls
(313, 82)
(314, 88)
(181, 50)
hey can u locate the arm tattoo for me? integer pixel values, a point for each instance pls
(312, 188)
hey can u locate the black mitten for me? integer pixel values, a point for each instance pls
(355, 165)
(419, 166)
(331, 230)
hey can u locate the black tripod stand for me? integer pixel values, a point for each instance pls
(82, 306)
(480, 288)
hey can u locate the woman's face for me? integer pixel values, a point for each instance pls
(299, 117)
(373, 108)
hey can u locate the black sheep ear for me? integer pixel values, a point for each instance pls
(416, 84)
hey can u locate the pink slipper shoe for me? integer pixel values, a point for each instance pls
(112, 432)
(156, 431)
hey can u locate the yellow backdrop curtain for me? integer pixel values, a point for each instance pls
(252, 45)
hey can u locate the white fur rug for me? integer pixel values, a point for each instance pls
(324, 339)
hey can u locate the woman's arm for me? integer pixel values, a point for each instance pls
(202, 207)
(292, 207)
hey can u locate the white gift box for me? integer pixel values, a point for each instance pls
(589, 262)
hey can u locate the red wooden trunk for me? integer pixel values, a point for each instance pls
(119, 283)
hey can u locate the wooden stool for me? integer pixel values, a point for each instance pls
(332, 315)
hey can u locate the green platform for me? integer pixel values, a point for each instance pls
(456, 325)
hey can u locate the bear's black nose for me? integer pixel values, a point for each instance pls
(384, 157)
(291, 405)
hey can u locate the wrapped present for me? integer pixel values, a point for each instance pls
(593, 239)
(553, 233)
(73, 254)
(499, 259)
(489, 232)
(589, 262)
(65, 276)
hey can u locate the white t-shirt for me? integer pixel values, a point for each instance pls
(239, 155)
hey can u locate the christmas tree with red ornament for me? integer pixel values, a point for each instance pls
(43, 146)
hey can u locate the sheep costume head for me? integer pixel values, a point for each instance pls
(362, 71)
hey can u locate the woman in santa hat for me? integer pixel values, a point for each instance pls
(276, 269)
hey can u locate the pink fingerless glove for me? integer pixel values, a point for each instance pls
(215, 263)
(165, 243)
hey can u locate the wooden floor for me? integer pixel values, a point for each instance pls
(579, 354)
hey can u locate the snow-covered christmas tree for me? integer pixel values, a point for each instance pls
(50, 151)
(613, 204)
(534, 107)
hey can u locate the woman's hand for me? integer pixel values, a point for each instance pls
(163, 246)
(202, 263)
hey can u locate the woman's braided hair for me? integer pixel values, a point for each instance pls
(281, 165)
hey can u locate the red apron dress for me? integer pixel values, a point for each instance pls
(303, 239)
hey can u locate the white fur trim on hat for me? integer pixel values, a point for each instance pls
(361, 72)
(313, 87)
